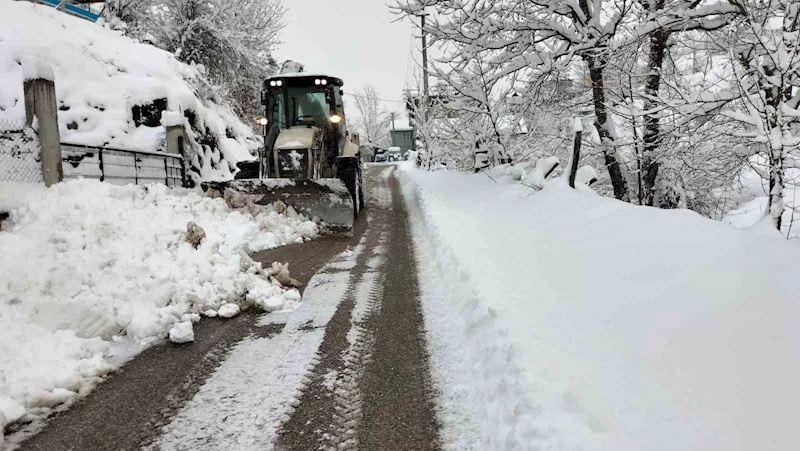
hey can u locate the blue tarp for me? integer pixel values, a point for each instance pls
(72, 9)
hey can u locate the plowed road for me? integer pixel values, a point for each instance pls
(347, 370)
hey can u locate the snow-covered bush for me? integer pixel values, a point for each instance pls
(232, 39)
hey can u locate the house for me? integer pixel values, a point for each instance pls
(403, 135)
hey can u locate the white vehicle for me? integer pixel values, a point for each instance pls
(393, 154)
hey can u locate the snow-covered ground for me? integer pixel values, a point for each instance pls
(100, 75)
(92, 273)
(564, 320)
(755, 202)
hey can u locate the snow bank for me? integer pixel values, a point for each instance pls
(92, 272)
(566, 320)
(100, 75)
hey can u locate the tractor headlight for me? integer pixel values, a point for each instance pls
(262, 121)
(272, 83)
(324, 81)
(279, 83)
(335, 119)
(317, 81)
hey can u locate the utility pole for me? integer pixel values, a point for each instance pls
(425, 86)
(392, 114)
(424, 57)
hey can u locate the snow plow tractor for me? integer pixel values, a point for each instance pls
(309, 160)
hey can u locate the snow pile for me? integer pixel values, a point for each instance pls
(101, 75)
(92, 272)
(565, 320)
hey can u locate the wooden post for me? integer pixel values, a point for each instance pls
(576, 152)
(40, 102)
(175, 136)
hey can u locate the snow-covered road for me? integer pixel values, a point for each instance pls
(471, 313)
(348, 367)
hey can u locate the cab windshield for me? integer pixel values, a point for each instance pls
(300, 106)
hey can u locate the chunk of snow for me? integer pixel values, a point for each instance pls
(577, 125)
(172, 118)
(228, 311)
(10, 411)
(585, 175)
(210, 313)
(518, 171)
(34, 68)
(542, 168)
(182, 332)
(92, 272)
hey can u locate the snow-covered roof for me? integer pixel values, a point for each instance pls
(401, 125)
(304, 74)
(336, 81)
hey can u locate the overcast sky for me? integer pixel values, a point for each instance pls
(355, 40)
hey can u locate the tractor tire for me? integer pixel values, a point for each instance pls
(348, 174)
(361, 201)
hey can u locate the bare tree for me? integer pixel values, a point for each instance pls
(765, 52)
(373, 119)
(232, 39)
(538, 35)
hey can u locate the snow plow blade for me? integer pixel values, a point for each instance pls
(326, 199)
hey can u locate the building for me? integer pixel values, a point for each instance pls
(403, 135)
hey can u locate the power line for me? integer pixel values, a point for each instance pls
(382, 100)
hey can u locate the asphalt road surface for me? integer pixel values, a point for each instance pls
(368, 387)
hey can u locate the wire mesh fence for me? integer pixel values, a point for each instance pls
(20, 156)
(122, 166)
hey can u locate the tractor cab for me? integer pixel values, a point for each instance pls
(304, 113)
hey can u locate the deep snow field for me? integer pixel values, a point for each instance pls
(92, 273)
(560, 319)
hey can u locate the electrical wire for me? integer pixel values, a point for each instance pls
(382, 100)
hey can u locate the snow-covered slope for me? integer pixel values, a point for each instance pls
(92, 272)
(100, 75)
(565, 320)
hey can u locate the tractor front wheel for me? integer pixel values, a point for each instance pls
(349, 173)
(361, 202)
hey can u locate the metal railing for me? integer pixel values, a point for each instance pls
(122, 166)
(20, 159)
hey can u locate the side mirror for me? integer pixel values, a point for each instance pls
(341, 92)
(263, 97)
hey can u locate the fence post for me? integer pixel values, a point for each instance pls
(576, 152)
(175, 138)
(166, 171)
(40, 102)
(102, 166)
(183, 173)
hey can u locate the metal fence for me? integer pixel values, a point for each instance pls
(122, 166)
(20, 158)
